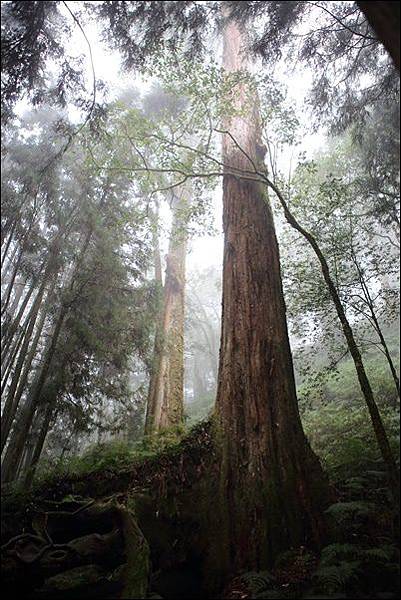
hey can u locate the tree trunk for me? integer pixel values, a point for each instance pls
(158, 341)
(272, 487)
(23, 424)
(32, 463)
(371, 305)
(11, 282)
(19, 288)
(166, 389)
(378, 426)
(15, 394)
(384, 18)
(9, 330)
(389, 360)
(10, 237)
(7, 365)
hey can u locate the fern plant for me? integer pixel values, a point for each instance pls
(341, 565)
(335, 578)
(257, 582)
(351, 514)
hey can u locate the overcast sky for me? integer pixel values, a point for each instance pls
(207, 250)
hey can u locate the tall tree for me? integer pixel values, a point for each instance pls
(166, 388)
(271, 484)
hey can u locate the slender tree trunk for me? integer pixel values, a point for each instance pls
(389, 359)
(9, 331)
(6, 267)
(378, 426)
(7, 246)
(19, 288)
(7, 365)
(15, 449)
(15, 393)
(11, 282)
(383, 343)
(374, 320)
(23, 424)
(272, 488)
(166, 389)
(31, 464)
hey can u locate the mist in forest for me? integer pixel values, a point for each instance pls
(200, 300)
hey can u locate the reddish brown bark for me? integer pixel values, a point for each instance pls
(271, 484)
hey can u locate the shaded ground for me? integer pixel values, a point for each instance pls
(140, 522)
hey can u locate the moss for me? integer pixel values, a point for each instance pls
(135, 574)
(73, 579)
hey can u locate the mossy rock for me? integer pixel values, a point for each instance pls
(95, 551)
(73, 580)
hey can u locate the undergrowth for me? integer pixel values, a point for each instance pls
(117, 455)
(361, 559)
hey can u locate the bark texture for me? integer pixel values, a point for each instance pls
(384, 17)
(271, 484)
(166, 389)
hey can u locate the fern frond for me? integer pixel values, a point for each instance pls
(334, 578)
(257, 581)
(343, 511)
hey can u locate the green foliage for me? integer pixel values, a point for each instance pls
(342, 564)
(343, 437)
(342, 570)
(258, 582)
(334, 578)
(166, 439)
(118, 455)
(115, 455)
(347, 512)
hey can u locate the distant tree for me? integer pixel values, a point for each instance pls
(86, 298)
(165, 407)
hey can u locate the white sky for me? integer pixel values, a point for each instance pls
(207, 250)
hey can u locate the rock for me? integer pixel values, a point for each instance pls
(72, 580)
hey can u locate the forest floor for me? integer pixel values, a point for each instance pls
(63, 538)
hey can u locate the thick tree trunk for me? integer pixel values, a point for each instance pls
(384, 18)
(166, 390)
(271, 484)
